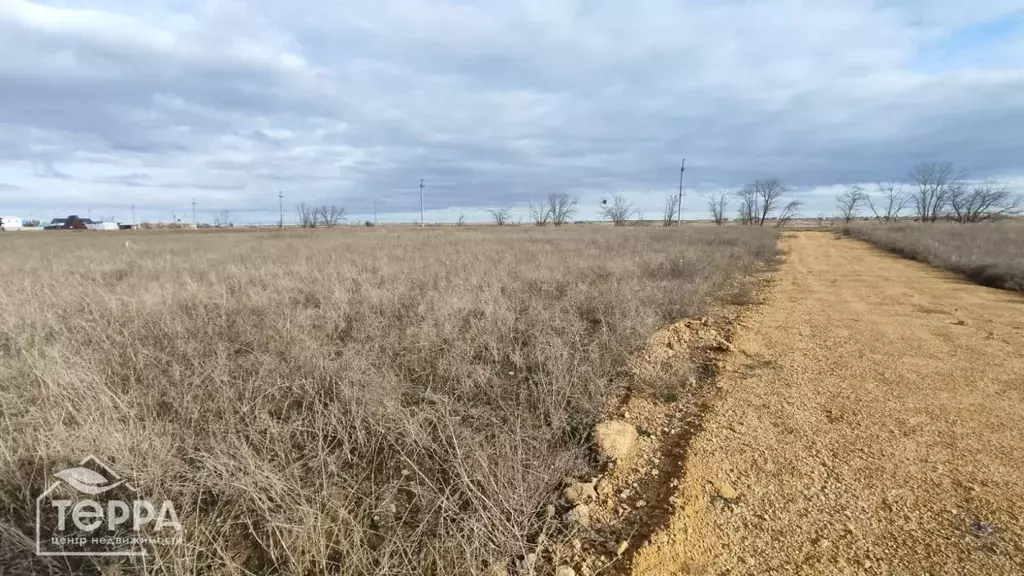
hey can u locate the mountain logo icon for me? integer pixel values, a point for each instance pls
(88, 481)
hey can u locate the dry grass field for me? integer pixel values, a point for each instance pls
(357, 401)
(989, 253)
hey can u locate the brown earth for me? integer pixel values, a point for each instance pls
(870, 420)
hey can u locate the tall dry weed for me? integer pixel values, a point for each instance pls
(358, 401)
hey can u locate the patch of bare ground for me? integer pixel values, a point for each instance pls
(866, 422)
(632, 498)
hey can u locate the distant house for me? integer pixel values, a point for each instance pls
(10, 223)
(72, 222)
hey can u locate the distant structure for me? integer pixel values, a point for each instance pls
(10, 223)
(72, 222)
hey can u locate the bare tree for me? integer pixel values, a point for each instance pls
(936, 184)
(747, 212)
(849, 202)
(718, 204)
(759, 201)
(223, 219)
(329, 215)
(540, 214)
(769, 194)
(461, 221)
(501, 216)
(668, 215)
(306, 215)
(561, 207)
(618, 210)
(892, 201)
(985, 201)
(787, 213)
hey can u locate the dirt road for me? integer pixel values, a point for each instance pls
(870, 421)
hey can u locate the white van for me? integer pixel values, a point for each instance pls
(10, 223)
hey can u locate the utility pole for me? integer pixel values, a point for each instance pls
(280, 198)
(421, 203)
(135, 222)
(374, 210)
(679, 206)
(194, 223)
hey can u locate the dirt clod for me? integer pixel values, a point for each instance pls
(726, 492)
(616, 440)
(580, 493)
(579, 517)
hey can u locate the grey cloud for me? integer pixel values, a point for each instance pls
(135, 179)
(46, 169)
(494, 102)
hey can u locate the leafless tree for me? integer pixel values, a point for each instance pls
(759, 201)
(561, 207)
(936, 184)
(769, 194)
(892, 201)
(223, 219)
(849, 202)
(461, 221)
(540, 214)
(787, 213)
(985, 201)
(501, 216)
(329, 215)
(820, 218)
(668, 216)
(719, 203)
(618, 210)
(747, 212)
(306, 215)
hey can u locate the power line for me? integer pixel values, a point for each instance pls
(280, 197)
(679, 206)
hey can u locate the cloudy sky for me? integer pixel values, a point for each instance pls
(105, 104)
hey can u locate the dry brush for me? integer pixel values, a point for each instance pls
(366, 401)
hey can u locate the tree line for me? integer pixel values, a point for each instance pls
(937, 191)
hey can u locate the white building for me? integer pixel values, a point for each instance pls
(9, 223)
(102, 226)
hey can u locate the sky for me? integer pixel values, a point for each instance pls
(109, 104)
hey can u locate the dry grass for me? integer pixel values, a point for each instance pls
(989, 253)
(376, 401)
